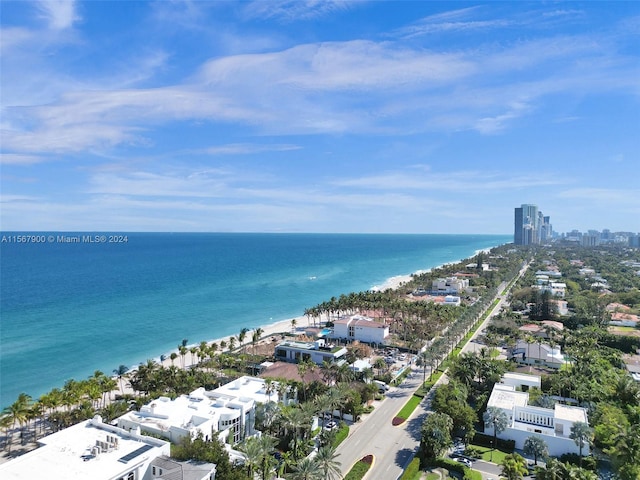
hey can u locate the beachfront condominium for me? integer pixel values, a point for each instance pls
(531, 227)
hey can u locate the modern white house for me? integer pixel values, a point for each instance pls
(453, 285)
(361, 328)
(228, 412)
(553, 425)
(536, 353)
(318, 352)
(557, 289)
(89, 450)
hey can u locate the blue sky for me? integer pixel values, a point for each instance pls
(307, 116)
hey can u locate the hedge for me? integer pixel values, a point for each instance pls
(412, 470)
(487, 441)
(360, 468)
(467, 473)
(341, 434)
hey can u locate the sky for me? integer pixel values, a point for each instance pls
(318, 116)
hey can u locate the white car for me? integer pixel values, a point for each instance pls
(464, 461)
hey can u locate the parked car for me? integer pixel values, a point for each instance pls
(331, 425)
(464, 461)
(382, 387)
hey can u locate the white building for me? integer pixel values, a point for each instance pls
(228, 412)
(523, 381)
(361, 328)
(537, 354)
(557, 289)
(453, 285)
(89, 450)
(164, 468)
(553, 425)
(318, 352)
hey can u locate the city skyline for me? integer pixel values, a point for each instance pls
(376, 117)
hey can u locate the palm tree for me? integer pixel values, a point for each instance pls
(293, 325)
(173, 357)
(536, 446)
(497, 419)
(119, 372)
(19, 412)
(269, 388)
(267, 414)
(183, 351)
(253, 452)
(626, 452)
(232, 343)
(242, 335)
(514, 467)
(257, 334)
(5, 423)
(553, 470)
(306, 469)
(581, 434)
(326, 459)
(297, 419)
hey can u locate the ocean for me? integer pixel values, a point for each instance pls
(70, 308)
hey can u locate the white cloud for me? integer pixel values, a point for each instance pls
(20, 159)
(59, 14)
(447, 181)
(605, 196)
(246, 148)
(294, 10)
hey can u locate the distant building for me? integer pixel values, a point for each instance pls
(553, 425)
(363, 329)
(531, 227)
(88, 450)
(318, 352)
(450, 285)
(623, 319)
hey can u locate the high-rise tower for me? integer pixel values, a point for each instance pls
(528, 225)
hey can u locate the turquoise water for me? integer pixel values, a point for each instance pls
(69, 309)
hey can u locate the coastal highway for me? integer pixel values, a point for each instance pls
(394, 447)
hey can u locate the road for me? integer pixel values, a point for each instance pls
(394, 447)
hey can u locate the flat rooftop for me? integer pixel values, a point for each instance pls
(67, 454)
(245, 388)
(571, 414)
(505, 397)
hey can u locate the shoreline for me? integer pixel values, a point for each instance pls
(275, 327)
(279, 326)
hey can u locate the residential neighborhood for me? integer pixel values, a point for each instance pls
(516, 372)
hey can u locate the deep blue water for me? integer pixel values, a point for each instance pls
(70, 309)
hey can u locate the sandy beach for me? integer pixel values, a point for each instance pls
(282, 326)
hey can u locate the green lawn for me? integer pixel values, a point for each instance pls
(409, 407)
(498, 456)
